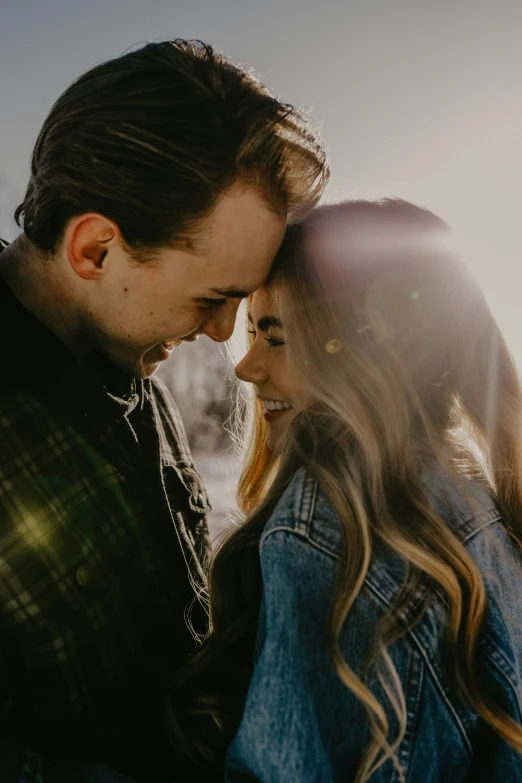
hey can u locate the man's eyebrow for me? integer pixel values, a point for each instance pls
(231, 293)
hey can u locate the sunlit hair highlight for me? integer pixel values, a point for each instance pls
(395, 341)
(151, 139)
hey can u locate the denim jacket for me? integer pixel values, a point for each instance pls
(302, 725)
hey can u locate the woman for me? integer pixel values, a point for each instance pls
(371, 596)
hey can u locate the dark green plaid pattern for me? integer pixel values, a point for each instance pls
(102, 547)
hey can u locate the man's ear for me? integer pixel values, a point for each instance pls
(88, 239)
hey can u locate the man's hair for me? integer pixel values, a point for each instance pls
(150, 140)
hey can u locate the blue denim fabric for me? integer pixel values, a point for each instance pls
(302, 725)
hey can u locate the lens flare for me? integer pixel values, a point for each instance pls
(333, 346)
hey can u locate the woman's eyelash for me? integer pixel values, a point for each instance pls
(272, 341)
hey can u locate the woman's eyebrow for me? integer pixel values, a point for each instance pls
(266, 322)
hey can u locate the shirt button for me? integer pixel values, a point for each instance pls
(84, 576)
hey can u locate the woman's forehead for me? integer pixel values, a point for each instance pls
(263, 312)
(262, 303)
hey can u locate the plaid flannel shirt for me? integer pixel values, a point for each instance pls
(102, 546)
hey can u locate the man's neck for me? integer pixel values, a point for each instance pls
(37, 283)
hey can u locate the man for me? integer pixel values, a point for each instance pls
(160, 187)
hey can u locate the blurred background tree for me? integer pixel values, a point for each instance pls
(202, 381)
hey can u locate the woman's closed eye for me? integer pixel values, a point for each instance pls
(273, 342)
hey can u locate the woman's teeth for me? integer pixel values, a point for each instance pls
(276, 405)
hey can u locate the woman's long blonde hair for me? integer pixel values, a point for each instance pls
(395, 341)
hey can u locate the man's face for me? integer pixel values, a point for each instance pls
(138, 312)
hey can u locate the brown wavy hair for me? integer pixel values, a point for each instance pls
(152, 138)
(395, 341)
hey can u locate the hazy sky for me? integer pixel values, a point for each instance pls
(417, 99)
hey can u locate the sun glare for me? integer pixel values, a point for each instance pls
(471, 175)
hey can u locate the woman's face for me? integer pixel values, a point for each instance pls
(266, 366)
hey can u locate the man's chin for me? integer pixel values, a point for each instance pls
(151, 360)
(136, 364)
(142, 371)
(140, 367)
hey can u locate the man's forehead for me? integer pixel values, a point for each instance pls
(235, 272)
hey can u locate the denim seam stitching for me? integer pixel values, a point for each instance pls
(305, 503)
(299, 500)
(307, 492)
(419, 646)
(484, 523)
(300, 535)
(492, 656)
(405, 750)
(311, 496)
(431, 670)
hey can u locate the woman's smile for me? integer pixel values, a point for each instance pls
(274, 409)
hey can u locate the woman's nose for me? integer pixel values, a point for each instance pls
(251, 368)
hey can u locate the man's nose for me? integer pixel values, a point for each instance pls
(251, 368)
(221, 325)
